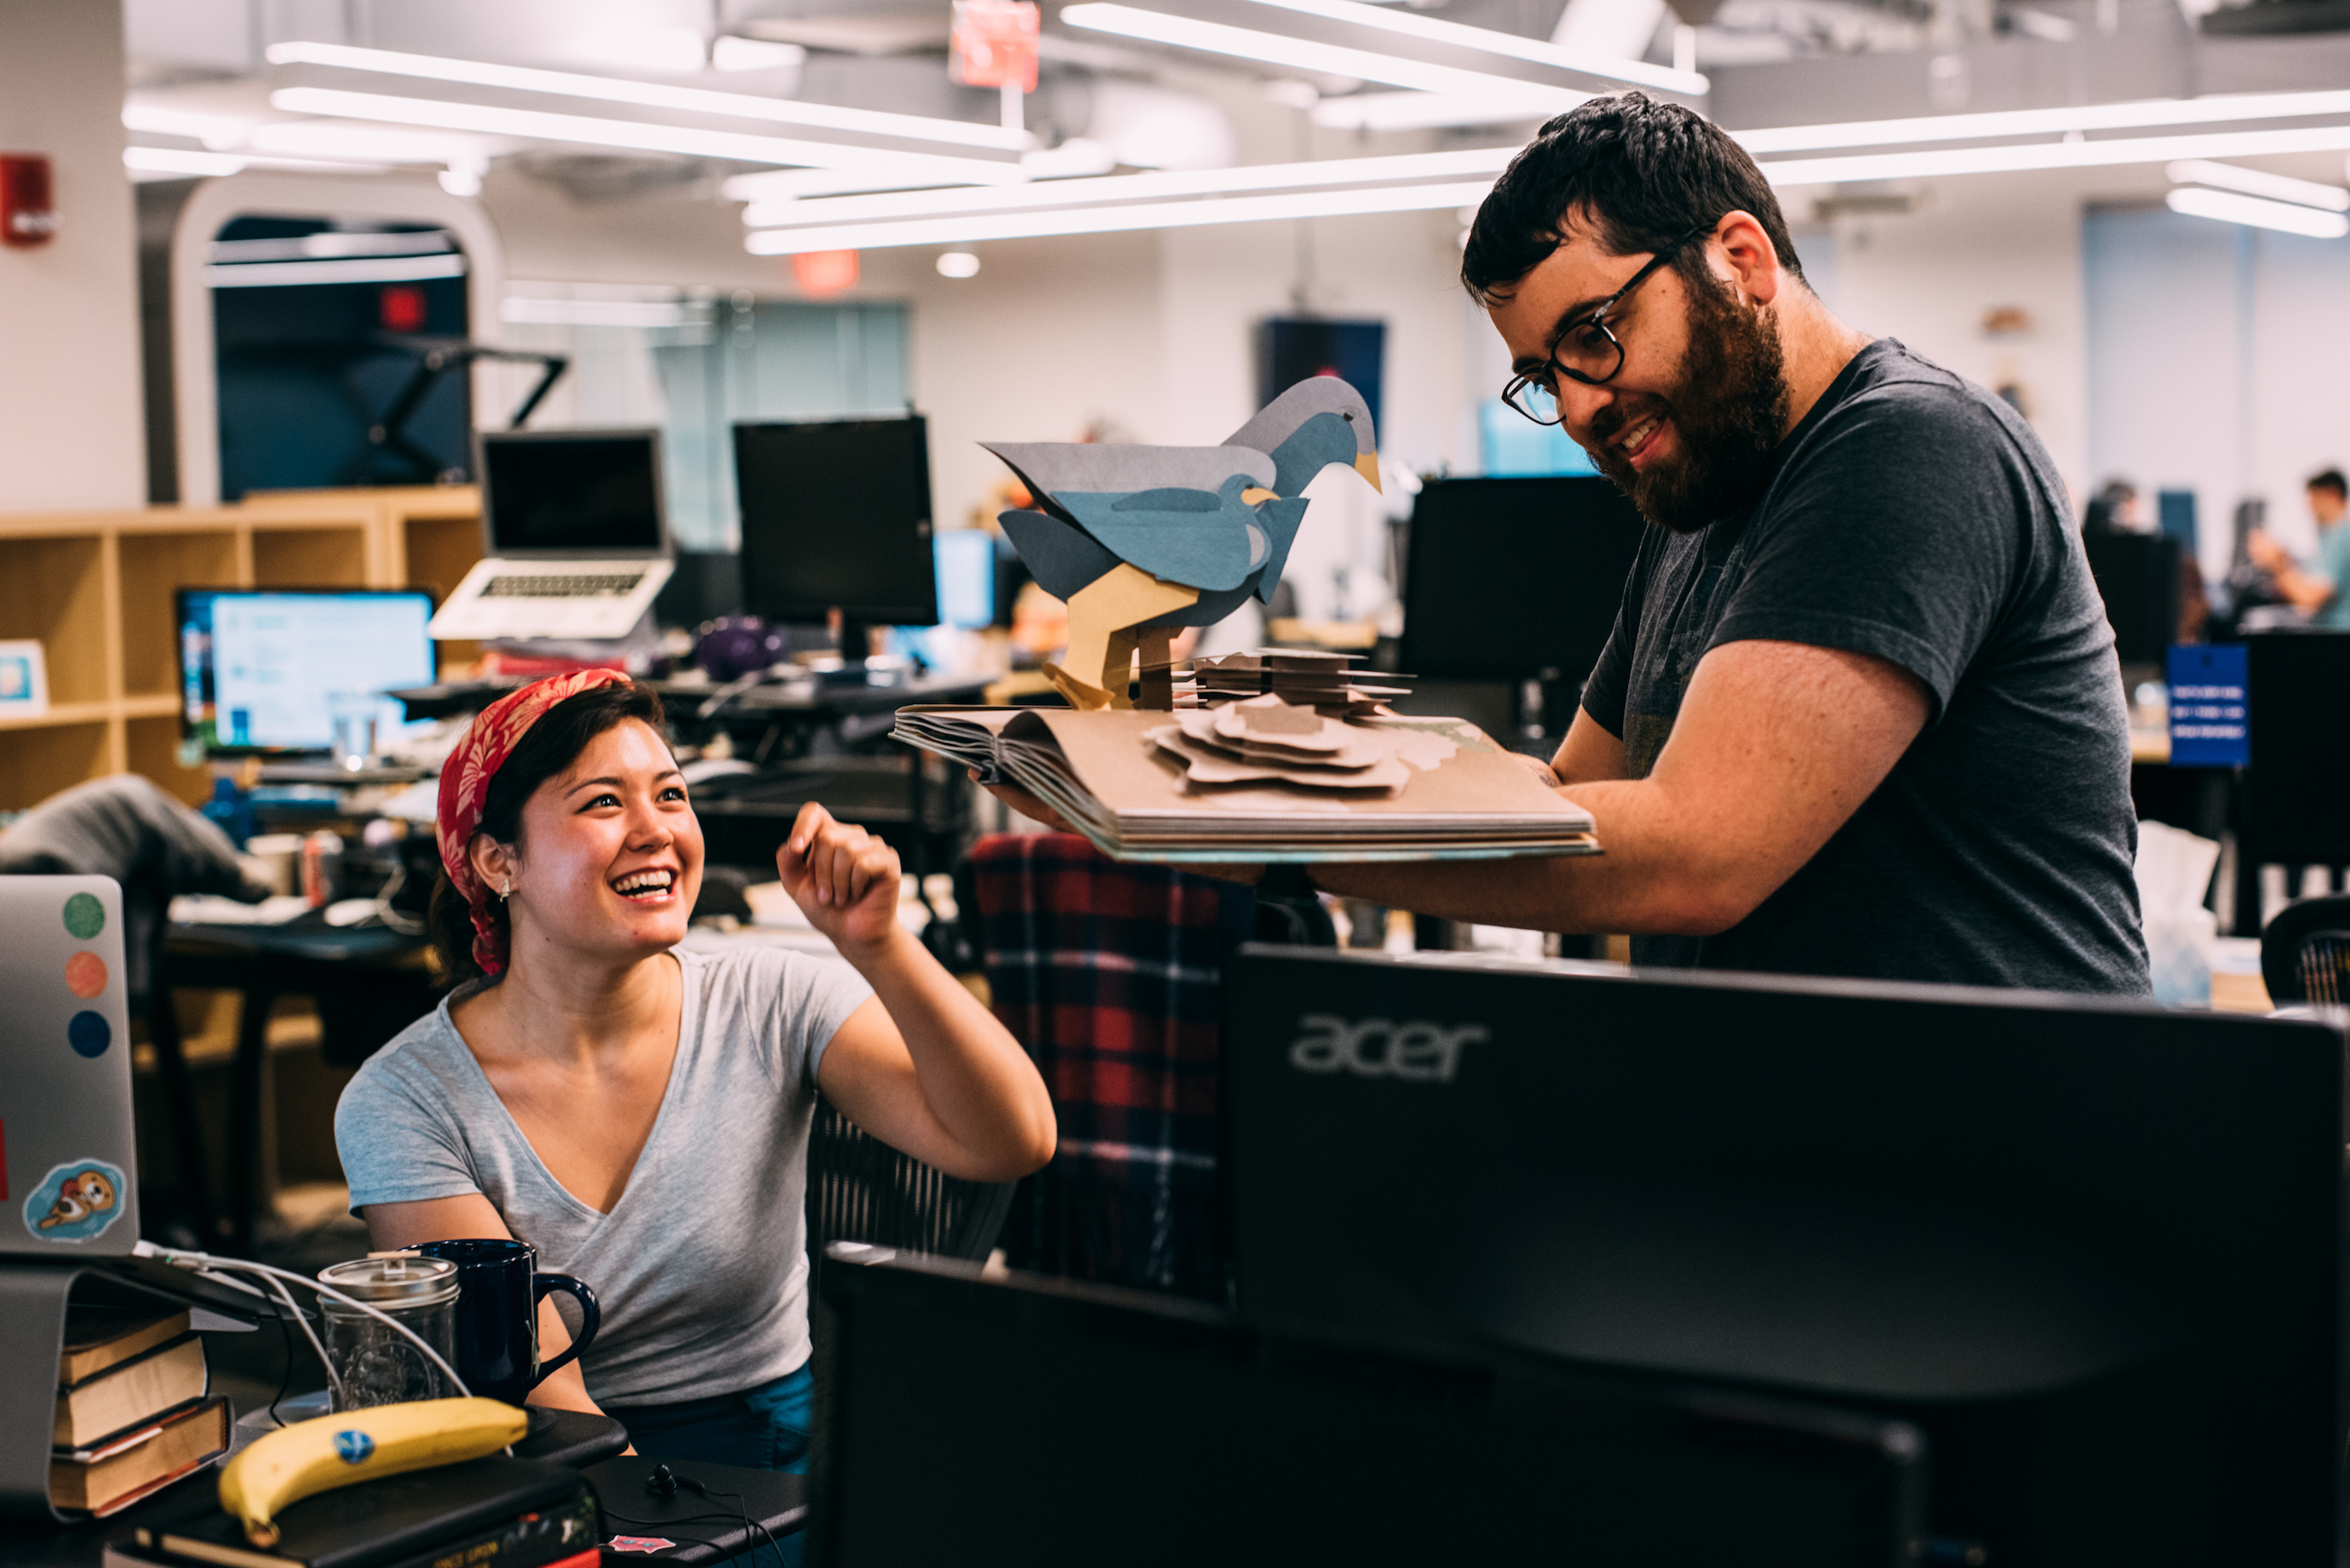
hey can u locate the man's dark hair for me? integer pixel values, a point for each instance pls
(2331, 479)
(1643, 172)
(549, 746)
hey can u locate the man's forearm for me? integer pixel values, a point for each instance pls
(1648, 879)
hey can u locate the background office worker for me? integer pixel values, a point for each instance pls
(641, 1115)
(2316, 589)
(1860, 713)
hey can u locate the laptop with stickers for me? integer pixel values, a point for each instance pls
(68, 1169)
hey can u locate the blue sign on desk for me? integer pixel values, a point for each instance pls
(2207, 708)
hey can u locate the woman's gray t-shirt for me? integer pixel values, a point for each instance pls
(701, 1268)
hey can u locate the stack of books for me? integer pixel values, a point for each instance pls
(132, 1411)
(497, 1512)
(1140, 784)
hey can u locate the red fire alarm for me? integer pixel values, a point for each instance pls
(28, 212)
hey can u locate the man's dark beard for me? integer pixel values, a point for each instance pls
(1729, 410)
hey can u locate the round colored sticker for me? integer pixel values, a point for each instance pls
(89, 1034)
(86, 975)
(85, 916)
(354, 1447)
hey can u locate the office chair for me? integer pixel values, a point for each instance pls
(861, 1189)
(2305, 952)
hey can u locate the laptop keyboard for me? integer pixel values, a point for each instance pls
(563, 585)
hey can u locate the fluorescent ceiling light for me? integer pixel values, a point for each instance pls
(2142, 115)
(383, 269)
(731, 52)
(1486, 162)
(336, 244)
(183, 163)
(968, 230)
(795, 184)
(639, 135)
(639, 312)
(2258, 183)
(1300, 54)
(2230, 207)
(1422, 110)
(1426, 29)
(2053, 155)
(650, 95)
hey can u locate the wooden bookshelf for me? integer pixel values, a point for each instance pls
(95, 588)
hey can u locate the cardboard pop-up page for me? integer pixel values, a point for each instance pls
(1141, 786)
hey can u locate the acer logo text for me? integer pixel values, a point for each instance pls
(1416, 1052)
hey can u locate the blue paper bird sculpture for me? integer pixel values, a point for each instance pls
(1143, 540)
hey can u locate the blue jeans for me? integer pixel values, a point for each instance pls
(762, 1428)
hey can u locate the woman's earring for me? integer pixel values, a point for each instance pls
(506, 891)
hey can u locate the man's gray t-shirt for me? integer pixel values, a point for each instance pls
(1913, 516)
(701, 1268)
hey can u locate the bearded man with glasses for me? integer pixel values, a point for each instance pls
(1860, 714)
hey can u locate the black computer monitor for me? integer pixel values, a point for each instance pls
(1048, 1424)
(258, 665)
(2296, 790)
(2137, 576)
(1506, 578)
(2092, 1249)
(836, 515)
(575, 493)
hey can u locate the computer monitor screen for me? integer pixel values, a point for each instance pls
(965, 559)
(258, 665)
(1144, 1430)
(572, 492)
(1506, 578)
(836, 515)
(2137, 576)
(2090, 1248)
(2296, 793)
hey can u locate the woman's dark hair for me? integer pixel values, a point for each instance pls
(547, 748)
(1643, 172)
(2329, 480)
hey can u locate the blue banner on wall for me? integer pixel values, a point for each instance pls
(2208, 728)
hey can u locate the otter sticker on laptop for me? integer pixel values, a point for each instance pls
(76, 1201)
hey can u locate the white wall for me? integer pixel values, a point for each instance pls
(70, 420)
(2218, 366)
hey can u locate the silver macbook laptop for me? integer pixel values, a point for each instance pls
(575, 542)
(68, 1166)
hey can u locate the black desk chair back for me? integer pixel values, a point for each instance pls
(861, 1189)
(2305, 952)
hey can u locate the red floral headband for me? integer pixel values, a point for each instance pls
(465, 789)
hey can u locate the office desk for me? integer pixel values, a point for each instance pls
(370, 983)
(572, 1437)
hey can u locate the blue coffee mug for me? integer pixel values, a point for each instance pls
(499, 1289)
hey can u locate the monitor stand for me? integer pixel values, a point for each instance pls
(856, 666)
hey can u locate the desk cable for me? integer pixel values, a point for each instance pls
(276, 1278)
(664, 1483)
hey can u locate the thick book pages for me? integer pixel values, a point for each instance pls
(100, 1334)
(125, 1395)
(1460, 796)
(124, 1469)
(383, 1522)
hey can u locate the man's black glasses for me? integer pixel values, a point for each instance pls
(1585, 350)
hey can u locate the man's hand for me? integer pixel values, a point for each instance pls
(1026, 804)
(2266, 553)
(842, 878)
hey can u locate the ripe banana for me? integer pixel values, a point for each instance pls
(329, 1451)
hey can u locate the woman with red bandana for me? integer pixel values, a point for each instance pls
(640, 1114)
